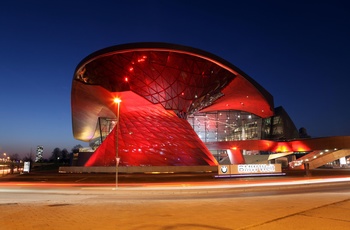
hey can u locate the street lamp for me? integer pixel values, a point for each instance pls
(117, 100)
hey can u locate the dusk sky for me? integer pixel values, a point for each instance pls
(299, 51)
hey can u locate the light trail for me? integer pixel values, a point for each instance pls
(230, 184)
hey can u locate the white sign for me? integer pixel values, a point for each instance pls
(249, 169)
(256, 168)
(26, 167)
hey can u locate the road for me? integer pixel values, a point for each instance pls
(171, 202)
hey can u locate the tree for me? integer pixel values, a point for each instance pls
(65, 156)
(56, 155)
(303, 133)
(28, 157)
(76, 148)
(14, 157)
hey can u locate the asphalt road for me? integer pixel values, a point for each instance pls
(293, 182)
(50, 201)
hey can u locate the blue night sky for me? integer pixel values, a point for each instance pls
(298, 50)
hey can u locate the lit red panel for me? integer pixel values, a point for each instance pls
(152, 137)
(168, 79)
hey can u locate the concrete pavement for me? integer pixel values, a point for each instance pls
(108, 211)
(173, 207)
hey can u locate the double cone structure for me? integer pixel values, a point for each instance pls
(159, 86)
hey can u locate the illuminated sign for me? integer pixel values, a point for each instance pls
(256, 168)
(250, 169)
(224, 169)
(26, 167)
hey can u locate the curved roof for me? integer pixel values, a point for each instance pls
(179, 78)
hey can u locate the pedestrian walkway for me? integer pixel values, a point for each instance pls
(169, 207)
(108, 211)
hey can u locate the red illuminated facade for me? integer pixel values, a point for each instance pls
(160, 86)
(180, 106)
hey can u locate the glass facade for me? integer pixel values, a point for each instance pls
(220, 126)
(104, 127)
(279, 127)
(227, 125)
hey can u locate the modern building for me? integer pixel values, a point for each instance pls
(180, 106)
(39, 153)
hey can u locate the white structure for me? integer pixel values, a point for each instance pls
(39, 153)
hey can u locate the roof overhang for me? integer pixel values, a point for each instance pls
(179, 78)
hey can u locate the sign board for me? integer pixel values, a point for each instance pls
(224, 169)
(249, 169)
(26, 167)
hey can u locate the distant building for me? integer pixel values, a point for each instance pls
(39, 153)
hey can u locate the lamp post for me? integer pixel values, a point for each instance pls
(117, 100)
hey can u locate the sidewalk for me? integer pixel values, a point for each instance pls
(168, 207)
(107, 211)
